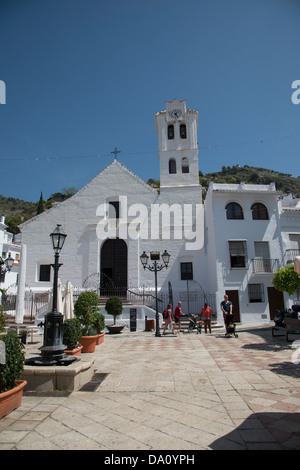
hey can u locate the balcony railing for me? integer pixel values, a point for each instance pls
(290, 255)
(264, 265)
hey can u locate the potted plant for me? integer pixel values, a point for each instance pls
(114, 307)
(85, 308)
(11, 368)
(99, 325)
(72, 333)
(23, 336)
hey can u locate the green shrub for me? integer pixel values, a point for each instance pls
(72, 333)
(85, 308)
(3, 319)
(13, 367)
(114, 307)
(287, 280)
(99, 322)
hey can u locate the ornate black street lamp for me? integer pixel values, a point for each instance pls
(53, 349)
(155, 257)
(6, 265)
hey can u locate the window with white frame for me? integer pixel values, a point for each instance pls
(44, 272)
(186, 271)
(238, 253)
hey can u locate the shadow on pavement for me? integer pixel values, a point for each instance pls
(263, 431)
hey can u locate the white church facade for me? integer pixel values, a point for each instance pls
(232, 242)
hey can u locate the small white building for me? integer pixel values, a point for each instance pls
(244, 248)
(9, 247)
(233, 243)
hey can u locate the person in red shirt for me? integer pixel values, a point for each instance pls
(177, 315)
(206, 317)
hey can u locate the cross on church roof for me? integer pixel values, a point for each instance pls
(116, 151)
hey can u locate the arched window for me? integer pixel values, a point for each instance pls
(172, 166)
(234, 211)
(183, 131)
(170, 132)
(259, 211)
(185, 165)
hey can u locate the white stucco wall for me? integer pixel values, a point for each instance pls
(220, 231)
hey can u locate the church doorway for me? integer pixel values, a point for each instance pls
(113, 268)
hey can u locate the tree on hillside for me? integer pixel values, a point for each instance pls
(40, 207)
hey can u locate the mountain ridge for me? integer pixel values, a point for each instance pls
(17, 211)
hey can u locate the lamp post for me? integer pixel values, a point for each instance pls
(53, 349)
(155, 257)
(6, 265)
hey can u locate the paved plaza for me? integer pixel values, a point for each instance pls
(187, 392)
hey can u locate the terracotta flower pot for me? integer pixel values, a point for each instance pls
(100, 339)
(74, 352)
(88, 343)
(12, 399)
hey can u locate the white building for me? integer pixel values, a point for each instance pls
(8, 247)
(234, 242)
(244, 247)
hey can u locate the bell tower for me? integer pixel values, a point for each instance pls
(178, 147)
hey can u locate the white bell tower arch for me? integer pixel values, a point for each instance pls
(178, 146)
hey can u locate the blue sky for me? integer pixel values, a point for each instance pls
(85, 76)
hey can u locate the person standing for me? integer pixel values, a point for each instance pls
(206, 317)
(177, 315)
(226, 307)
(168, 319)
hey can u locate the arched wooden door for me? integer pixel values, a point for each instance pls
(113, 267)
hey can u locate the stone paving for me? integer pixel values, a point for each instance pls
(187, 392)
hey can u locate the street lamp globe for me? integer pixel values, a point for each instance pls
(9, 262)
(144, 259)
(58, 237)
(165, 257)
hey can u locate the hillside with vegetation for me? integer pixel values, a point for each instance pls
(284, 182)
(17, 211)
(247, 174)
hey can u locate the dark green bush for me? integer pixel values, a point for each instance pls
(72, 333)
(3, 319)
(99, 322)
(114, 307)
(85, 308)
(13, 367)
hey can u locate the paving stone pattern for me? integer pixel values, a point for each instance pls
(185, 392)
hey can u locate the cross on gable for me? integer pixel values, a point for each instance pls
(115, 152)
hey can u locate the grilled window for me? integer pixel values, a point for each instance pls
(234, 211)
(259, 211)
(238, 254)
(256, 293)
